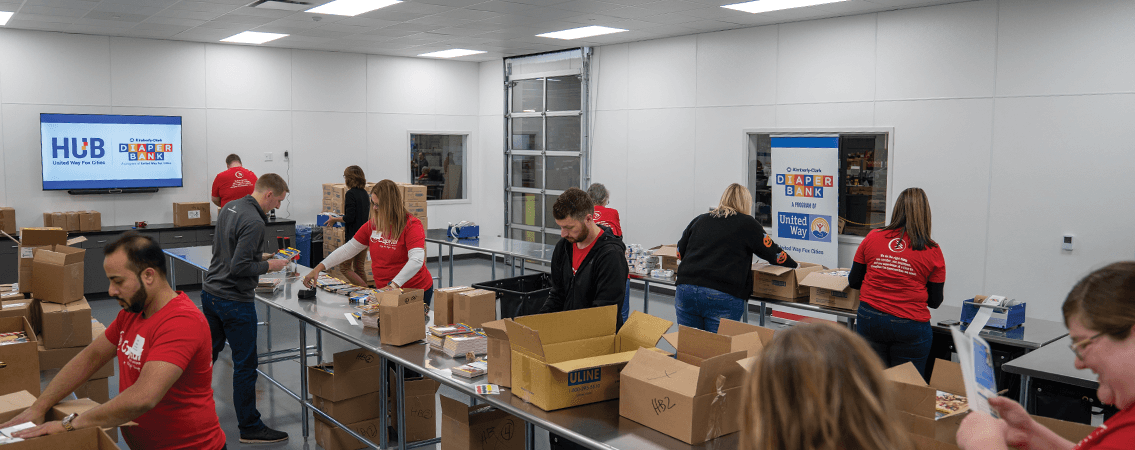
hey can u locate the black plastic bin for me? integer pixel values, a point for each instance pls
(519, 296)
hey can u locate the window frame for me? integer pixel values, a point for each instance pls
(467, 198)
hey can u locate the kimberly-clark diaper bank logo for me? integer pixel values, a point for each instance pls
(804, 185)
(805, 227)
(145, 149)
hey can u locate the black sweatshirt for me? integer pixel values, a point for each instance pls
(717, 253)
(356, 210)
(600, 281)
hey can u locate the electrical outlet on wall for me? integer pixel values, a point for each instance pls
(267, 156)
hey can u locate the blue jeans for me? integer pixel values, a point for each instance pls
(236, 322)
(703, 308)
(626, 302)
(895, 339)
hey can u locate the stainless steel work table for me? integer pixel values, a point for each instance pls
(597, 426)
(510, 248)
(1053, 362)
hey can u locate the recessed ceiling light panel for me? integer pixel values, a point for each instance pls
(452, 53)
(351, 7)
(763, 6)
(4, 16)
(582, 32)
(252, 37)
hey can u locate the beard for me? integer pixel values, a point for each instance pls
(582, 236)
(137, 302)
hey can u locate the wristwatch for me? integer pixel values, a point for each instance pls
(67, 421)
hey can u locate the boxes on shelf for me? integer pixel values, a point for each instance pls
(417, 208)
(419, 407)
(412, 192)
(8, 220)
(352, 373)
(30, 239)
(1004, 320)
(401, 313)
(782, 283)
(830, 288)
(65, 325)
(480, 427)
(21, 368)
(574, 357)
(331, 437)
(90, 221)
(352, 410)
(188, 214)
(499, 355)
(443, 303)
(667, 256)
(58, 273)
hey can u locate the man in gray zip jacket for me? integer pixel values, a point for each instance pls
(228, 296)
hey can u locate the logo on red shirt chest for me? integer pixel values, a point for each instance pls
(378, 238)
(897, 245)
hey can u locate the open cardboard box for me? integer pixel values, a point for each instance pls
(59, 274)
(480, 427)
(694, 397)
(782, 283)
(20, 371)
(574, 358)
(667, 256)
(828, 289)
(81, 439)
(443, 304)
(30, 239)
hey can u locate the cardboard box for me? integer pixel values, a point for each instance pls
(352, 373)
(331, 437)
(57, 358)
(8, 220)
(401, 315)
(667, 256)
(72, 220)
(573, 358)
(475, 307)
(81, 439)
(188, 214)
(417, 209)
(828, 289)
(480, 427)
(411, 193)
(782, 283)
(16, 308)
(30, 239)
(97, 389)
(11, 405)
(676, 398)
(65, 325)
(443, 304)
(90, 221)
(81, 405)
(499, 355)
(56, 220)
(58, 274)
(420, 407)
(351, 410)
(21, 369)
(732, 336)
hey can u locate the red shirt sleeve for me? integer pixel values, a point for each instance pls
(363, 235)
(861, 252)
(414, 235)
(174, 341)
(938, 275)
(618, 224)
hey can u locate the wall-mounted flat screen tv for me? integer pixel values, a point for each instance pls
(96, 151)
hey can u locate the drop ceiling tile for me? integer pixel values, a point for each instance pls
(419, 8)
(203, 6)
(149, 34)
(366, 22)
(587, 6)
(36, 25)
(110, 24)
(128, 9)
(468, 14)
(324, 34)
(41, 18)
(243, 20)
(452, 3)
(94, 29)
(295, 24)
(502, 7)
(540, 2)
(670, 18)
(115, 16)
(714, 12)
(352, 29)
(184, 14)
(390, 33)
(145, 26)
(631, 12)
(263, 12)
(484, 26)
(438, 21)
(394, 16)
(174, 21)
(304, 39)
(53, 11)
(631, 2)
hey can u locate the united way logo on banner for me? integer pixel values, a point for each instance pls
(805, 227)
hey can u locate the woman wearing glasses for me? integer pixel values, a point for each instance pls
(1100, 316)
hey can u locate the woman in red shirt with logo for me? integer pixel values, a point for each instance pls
(396, 241)
(899, 271)
(608, 217)
(1100, 315)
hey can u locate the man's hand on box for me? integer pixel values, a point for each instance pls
(55, 427)
(29, 415)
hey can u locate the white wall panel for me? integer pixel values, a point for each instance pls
(661, 150)
(55, 68)
(830, 60)
(1048, 47)
(328, 81)
(456, 88)
(737, 67)
(388, 144)
(1061, 165)
(611, 69)
(145, 72)
(325, 143)
(400, 85)
(490, 101)
(488, 161)
(243, 77)
(249, 134)
(859, 114)
(941, 52)
(722, 149)
(609, 163)
(943, 147)
(663, 73)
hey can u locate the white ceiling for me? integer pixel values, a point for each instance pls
(502, 28)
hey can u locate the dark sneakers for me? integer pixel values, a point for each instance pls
(263, 436)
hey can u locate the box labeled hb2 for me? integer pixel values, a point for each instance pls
(480, 427)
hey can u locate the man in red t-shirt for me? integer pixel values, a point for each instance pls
(235, 182)
(165, 368)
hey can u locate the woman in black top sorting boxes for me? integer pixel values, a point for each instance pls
(714, 279)
(356, 207)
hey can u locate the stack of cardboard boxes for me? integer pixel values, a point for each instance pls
(334, 195)
(414, 197)
(14, 403)
(74, 220)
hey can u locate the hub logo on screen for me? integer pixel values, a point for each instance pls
(68, 148)
(146, 151)
(805, 227)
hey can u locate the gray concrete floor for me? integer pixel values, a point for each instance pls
(280, 411)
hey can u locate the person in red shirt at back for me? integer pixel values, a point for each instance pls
(900, 273)
(165, 368)
(235, 182)
(604, 216)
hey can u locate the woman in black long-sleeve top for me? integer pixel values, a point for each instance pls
(356, 212)
(717, 248)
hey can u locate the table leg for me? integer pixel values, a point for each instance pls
(494, 256)
(645, 297)
(439, 264)
(384, 412)
(745, 317)
(318, 346)
(851, 323)
(400, 404)
(521, 266)
(268, 328)
(451, 266)
(303, 377)
(171, 270)
(764, 312)
(1026, 387)
(512, 265)
(529, 436)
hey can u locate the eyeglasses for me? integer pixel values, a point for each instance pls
(1077, 347)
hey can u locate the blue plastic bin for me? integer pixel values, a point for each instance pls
(303, 243)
